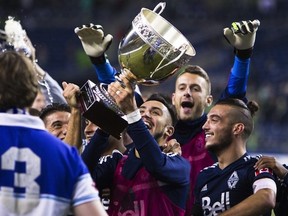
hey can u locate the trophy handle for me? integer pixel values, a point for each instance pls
(161, 5)
(171, 62)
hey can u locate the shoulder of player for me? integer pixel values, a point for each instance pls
(116, 155)
(210, 168)
(252, 158)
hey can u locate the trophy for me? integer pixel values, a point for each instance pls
(151, 51)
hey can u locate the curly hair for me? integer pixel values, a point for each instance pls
(18, 79)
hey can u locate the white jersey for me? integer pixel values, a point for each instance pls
(39, 174)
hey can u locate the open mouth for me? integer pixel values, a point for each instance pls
(186, 104)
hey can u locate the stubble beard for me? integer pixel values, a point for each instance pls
(223, 143)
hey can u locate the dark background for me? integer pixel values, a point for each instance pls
(50, 25)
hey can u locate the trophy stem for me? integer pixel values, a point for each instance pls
(130, 76)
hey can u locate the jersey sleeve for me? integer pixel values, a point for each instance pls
(104, 71)
(51, 88)
(238, 78)
(165, 167)
(94, 149)
(103, 173)
(257, 178)
(84, 188)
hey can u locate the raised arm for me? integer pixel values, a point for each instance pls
(95, 44)
(73, 136)
(161, 165)
(242, 37)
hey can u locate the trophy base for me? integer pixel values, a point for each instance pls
(97, 111)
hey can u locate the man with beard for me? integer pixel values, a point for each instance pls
(232, 186)
(193, 95)
(147, 181)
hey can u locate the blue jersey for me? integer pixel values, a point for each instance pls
(40, 175)
(218, 190)
(171, 171)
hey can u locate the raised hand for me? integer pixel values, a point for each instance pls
(242, 35)
(93, 40)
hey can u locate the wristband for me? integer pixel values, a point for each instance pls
(133, 116)
(244, 54)
(98, 60)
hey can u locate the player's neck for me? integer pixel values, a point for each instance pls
(229, 155)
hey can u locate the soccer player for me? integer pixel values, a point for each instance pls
(146, 181)
(232, 186)
(192, 96)
(64, 120)
(40, 175)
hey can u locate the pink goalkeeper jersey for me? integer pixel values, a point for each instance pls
(141, 196)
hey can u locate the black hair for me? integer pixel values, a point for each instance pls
(242, 113)
(167, 102)
(251, 106)
(54, 107)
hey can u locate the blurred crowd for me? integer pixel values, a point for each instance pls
(51, 28)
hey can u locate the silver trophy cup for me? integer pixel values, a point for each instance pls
(151, 51)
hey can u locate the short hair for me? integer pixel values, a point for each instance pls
(18, 81)
(166, 101)
(52, 108)
(195, 69)
(245, 113)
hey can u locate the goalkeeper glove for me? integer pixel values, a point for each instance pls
(94, 42)
(242, 36)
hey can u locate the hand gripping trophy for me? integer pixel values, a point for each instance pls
(150, 52)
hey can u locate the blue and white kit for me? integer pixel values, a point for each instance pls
(40, 175)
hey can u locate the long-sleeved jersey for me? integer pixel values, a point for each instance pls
(137, 183)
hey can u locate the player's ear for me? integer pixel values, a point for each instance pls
(169, 130)
(238, 128)
(209, 100)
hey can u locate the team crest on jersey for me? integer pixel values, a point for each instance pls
(233, 180)
(204, 188)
